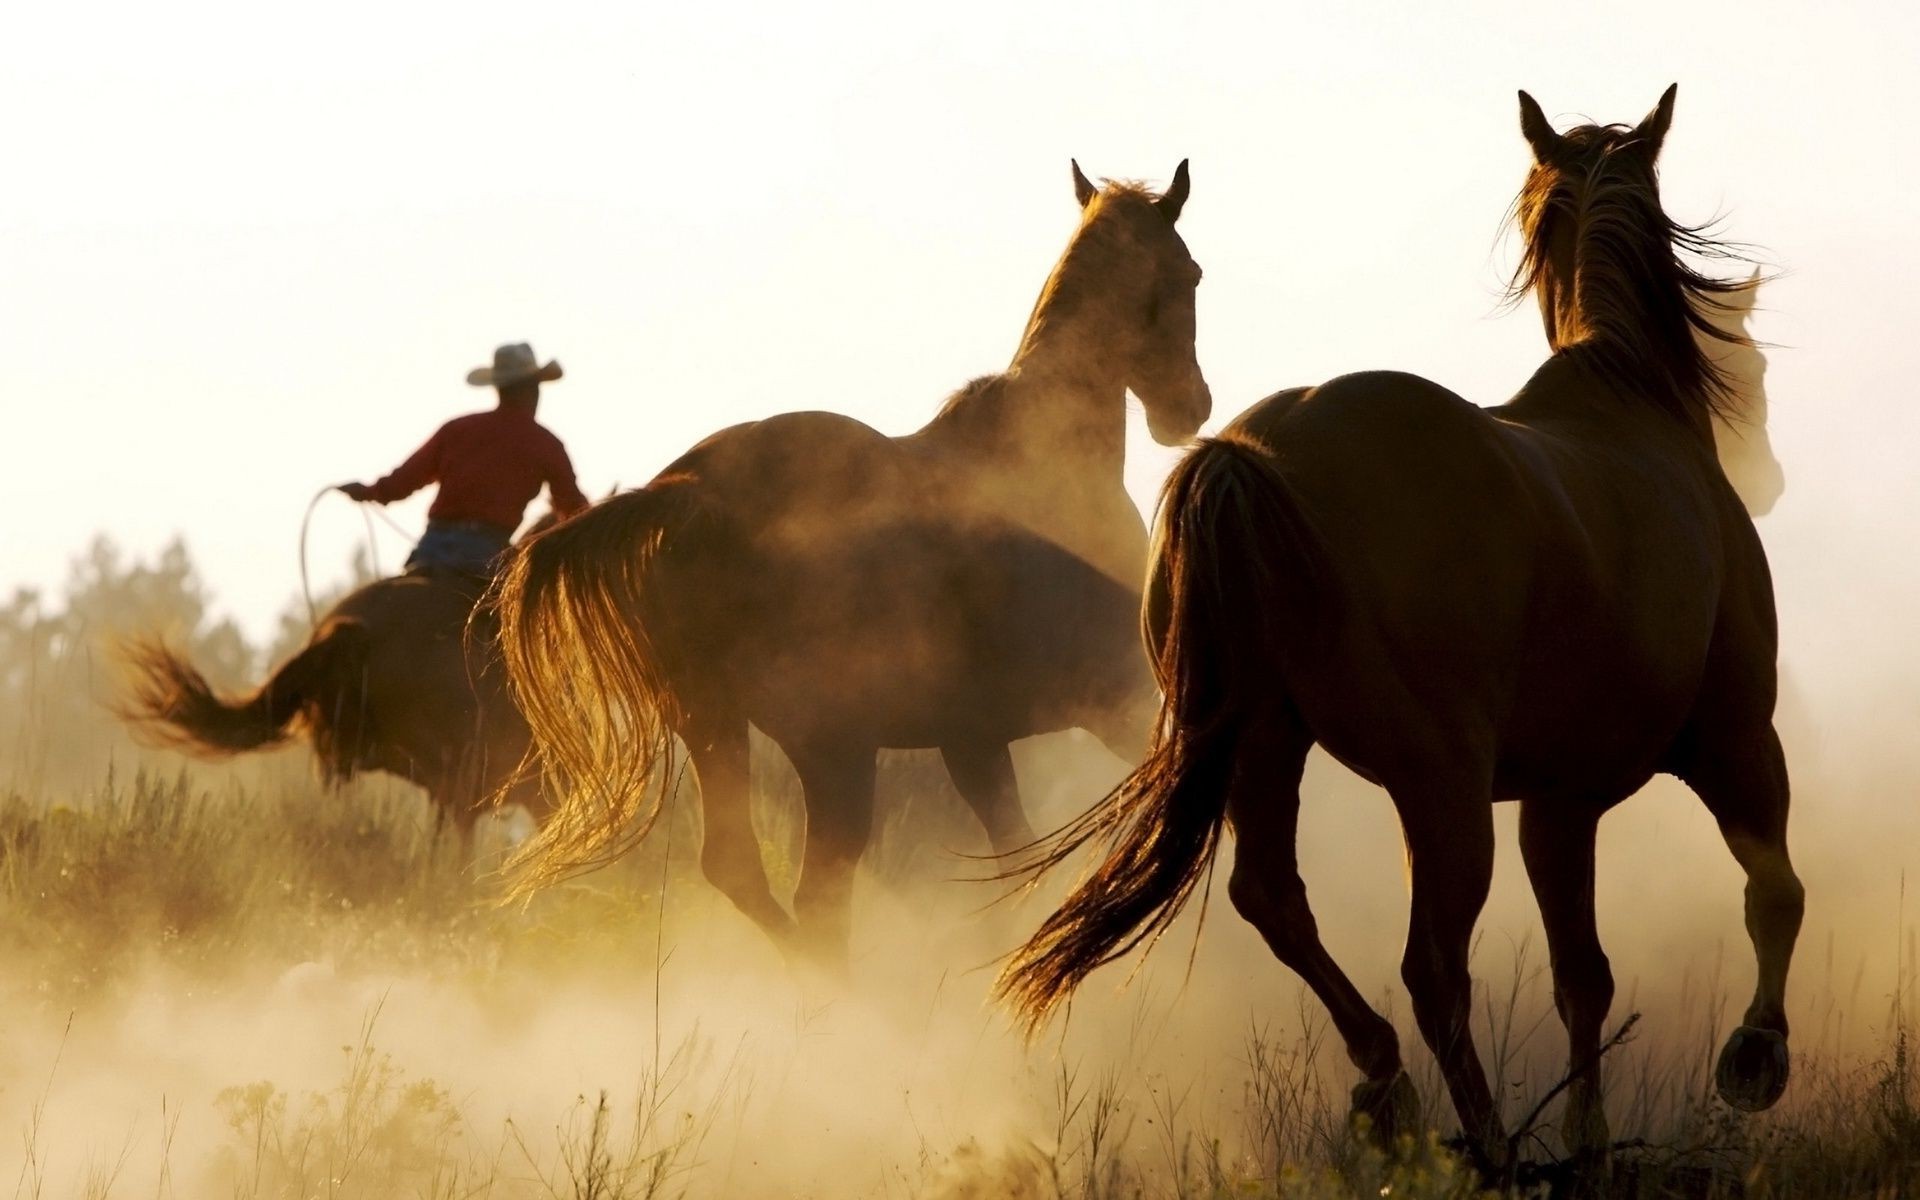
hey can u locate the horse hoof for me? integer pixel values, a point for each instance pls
(1384, 1109)
(1752, 1071)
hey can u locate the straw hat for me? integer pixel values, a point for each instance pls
(513, 364)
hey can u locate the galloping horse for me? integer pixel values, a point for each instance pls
(389, 682)
(1549, 602)
(960, 587)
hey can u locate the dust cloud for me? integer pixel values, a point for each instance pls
(429, 1050)
(249, 988)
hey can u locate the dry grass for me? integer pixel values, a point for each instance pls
(149, 880)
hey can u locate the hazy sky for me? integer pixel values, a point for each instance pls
(248, 250)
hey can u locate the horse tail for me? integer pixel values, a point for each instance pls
(1236, 565)
(172, 703)
(579, 636)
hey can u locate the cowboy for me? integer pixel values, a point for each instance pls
(489, 465)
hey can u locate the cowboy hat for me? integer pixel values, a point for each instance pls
(513, 364)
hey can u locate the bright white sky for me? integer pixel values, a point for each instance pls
(247, 250)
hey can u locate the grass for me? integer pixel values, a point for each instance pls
(150, 886)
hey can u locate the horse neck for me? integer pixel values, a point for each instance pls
(1571, 392)
(1060, 408)
(1625, 364)
(1064, 405)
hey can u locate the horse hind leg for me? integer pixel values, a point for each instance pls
(1125, 727)
(1557, 842)
(730, 852)
(1743, 783)
(1448, 822)
(456, 809)
(837, 781)
(1266, 889)
(984, 777)
(459, 797)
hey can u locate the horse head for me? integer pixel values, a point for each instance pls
(1129, 271)
(1613, 272)
(1569, 170)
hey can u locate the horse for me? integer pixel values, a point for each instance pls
(1549, 601)
(389, 681)
(1740, 436)
(960, 587)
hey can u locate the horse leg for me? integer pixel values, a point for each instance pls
(473, 797)
(730, 852)
(1266, 889)
(453, 805)
(1743, 782)
(465, 817)
(1126, 728)
(1557, 844)
(1449, 832)
(983, 775)
(837, 781)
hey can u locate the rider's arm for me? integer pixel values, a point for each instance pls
(421, 468)
(563, 490)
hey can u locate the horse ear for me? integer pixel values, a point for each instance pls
(1175, 197)
(1538, 131)
(1653, 130)
(1083, 189)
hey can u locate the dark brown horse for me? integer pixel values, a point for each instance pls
(1549, 601)
(389, 682)
(961, 587)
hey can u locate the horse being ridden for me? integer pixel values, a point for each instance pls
(1549, 602)
(389, 681)
(961, 587)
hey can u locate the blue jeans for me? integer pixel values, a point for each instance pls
(468, 546)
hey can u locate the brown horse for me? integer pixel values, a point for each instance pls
(961, 587)
(1549, 602)
(389, 682)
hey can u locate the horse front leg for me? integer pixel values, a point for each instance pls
(1448, 821)
(1743, 782)
(1557, 842)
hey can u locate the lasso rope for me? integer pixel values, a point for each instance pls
(367, 513)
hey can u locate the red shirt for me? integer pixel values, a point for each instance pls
(490, 466)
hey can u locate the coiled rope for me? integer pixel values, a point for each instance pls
(367, 512)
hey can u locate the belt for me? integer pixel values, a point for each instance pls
(486, 527)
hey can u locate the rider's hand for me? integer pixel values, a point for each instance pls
(359, 491)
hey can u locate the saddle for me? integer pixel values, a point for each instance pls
(472, 584)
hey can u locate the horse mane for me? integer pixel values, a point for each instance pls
(1103, 233)
(971, 398)
(1637, 304)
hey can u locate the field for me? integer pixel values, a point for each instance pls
(227, 981)
(298, 994)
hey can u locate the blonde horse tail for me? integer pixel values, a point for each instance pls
(1234, 572)
(579, 636)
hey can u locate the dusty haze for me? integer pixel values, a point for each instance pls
(247, 259)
